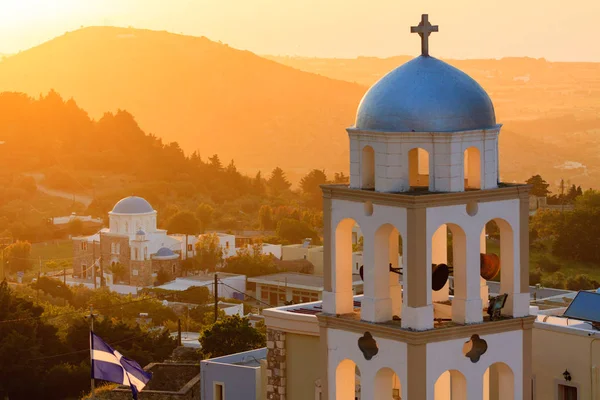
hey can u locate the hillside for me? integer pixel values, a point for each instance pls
(215, 99)
(204, 95)
(549, 109)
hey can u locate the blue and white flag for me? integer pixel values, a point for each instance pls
(110, 365)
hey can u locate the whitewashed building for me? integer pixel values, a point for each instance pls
(423, 163)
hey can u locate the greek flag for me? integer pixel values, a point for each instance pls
(110, 365)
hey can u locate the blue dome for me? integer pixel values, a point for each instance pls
(140, 232)
(164, 252)
(425, 95)
(132, 205)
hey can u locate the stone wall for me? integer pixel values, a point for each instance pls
(276, 365)
(167, 266)
(108, 257)
(83, 255)
(141, 273)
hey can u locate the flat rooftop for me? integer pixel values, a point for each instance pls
(297, 280)
(249, 358)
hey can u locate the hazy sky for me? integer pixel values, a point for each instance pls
(554, 29)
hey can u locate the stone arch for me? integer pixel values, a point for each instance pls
(450, 385)
(497, 237)
(344, 265)
(387, 385)
(473, 168)
(380, 282)
(419, 168)
(449, 246)
(347, 380)
(367, 168)
(498, 382)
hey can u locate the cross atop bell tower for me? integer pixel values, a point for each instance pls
(424, 29)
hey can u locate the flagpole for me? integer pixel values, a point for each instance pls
(93, 381)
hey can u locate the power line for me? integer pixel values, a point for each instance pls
(76, 312)
(245, 294)
(86, 350)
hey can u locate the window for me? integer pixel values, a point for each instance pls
(118, 248)
(272, 294)
(219, 391)
(113, 248)
(136, 254)
(83, 271)
(302, 296)
(83, 245)
(145, 253)
(126, 227)
(173, 269)
(190, 248)
(567, 392)
(134, 272)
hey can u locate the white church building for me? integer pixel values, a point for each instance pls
(423, 169)
(133, 241)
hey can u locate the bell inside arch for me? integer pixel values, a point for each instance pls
(489, 266)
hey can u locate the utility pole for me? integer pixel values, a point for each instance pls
(94, 262)
(179, 332)
(93, 382)
(216, 293)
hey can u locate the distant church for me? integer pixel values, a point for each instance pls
(133, 241)
(423, 167)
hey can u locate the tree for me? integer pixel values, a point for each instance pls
(251, 262)
(311, 187)
(204, 214)
(258, 184)
(296, 231)
(589, 200)
(215, 162)
(18, 256)
(579, 235)
(75, 227)
(230, 335)
(278, 183)
(209, 253)
(119, 272)
(265, 215)
(340, 177)
(162, 277)
(540, 186)
(557, 280)
(183, 222)
(581, 282)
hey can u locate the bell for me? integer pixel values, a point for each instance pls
(439, 276)
(489, 266)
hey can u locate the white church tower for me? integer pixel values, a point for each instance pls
(423, 174)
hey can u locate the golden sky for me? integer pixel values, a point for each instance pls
(558, 30)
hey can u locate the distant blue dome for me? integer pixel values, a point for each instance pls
(132, 205)
(140, 232)
(164, 252)
(425, 95)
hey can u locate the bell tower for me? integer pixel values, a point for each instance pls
(424, 187)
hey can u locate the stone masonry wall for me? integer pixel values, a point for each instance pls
(108, 257)
(83, 257)
(144, 273)
(276, 365)
(167, 266)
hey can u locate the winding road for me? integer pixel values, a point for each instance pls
(80, 198)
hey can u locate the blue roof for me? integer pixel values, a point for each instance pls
(164, 252)
(425, 95)
(140, 232)
(132, 205)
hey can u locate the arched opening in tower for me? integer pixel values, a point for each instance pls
(498, 382)
(367, 168)
(418, 169)
(347, 380)
(451, 385)
(344, 279)
(387, 385)
(472, 168)
(497, 262)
